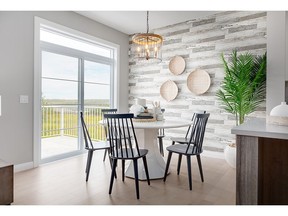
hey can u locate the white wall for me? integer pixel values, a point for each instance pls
(276, 58)
(200, 42)
(16, 74)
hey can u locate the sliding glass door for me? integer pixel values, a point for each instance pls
(60, 104)
(76, 75)
(69, 85)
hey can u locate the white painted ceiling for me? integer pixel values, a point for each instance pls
(130, 22)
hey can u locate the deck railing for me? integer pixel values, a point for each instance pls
(63, 121)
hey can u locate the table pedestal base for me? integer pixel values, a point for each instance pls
(147, 139)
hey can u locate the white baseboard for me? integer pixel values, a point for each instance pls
(213, 154)
(23, 166)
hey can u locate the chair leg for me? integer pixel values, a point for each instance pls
(167, 165)
(112, 175)
(179, 163)
(200, 167)
(136, 177)
(189, 171)
(87, 162)
(160, 141)
(105, 153)
(111, 162)
(89, 159)
(123, 170)
(146, 169)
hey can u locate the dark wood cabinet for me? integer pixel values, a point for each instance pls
(261, 163)
(261, 175)
(6, 183)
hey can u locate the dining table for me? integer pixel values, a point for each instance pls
(147, 133)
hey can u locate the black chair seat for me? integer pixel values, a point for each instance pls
(128, 154)
(181, 149)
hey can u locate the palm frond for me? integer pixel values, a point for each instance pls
(244, 85)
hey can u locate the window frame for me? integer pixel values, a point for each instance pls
(40, 46)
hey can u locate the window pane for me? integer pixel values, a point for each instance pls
(92, 117)
(74, 43)
(98, 95)
(59, 92)
(96, 72)
(59, 66)
(55, 145)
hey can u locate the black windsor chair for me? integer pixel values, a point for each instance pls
(192, 148)
(121, 133)
(90, 145)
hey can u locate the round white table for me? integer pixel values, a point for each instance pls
(146, 133)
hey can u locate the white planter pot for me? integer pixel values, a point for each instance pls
(230, 155)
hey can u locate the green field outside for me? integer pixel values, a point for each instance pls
(63, 121)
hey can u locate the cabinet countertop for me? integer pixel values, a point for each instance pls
(257, 127)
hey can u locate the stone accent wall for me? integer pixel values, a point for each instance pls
(200, 42)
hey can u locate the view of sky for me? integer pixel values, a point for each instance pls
(60, 74)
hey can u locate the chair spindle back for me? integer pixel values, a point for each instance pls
(197, 132)
(107, 111)
(192, 119)
(120, 135)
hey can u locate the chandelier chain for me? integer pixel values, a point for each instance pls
(147, 22)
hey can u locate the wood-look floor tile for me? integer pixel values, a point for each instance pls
(63, 183)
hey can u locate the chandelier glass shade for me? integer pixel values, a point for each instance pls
(147, 46)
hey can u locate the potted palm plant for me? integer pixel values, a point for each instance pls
(242, 90)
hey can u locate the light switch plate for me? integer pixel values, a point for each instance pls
(24, 99)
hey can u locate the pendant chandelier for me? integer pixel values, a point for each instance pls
(147, 46)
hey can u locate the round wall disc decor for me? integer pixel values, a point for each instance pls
(198, 81)
(177, 65)
(169, 90)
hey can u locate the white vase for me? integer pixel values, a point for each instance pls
(230, 155)
(280, 110)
